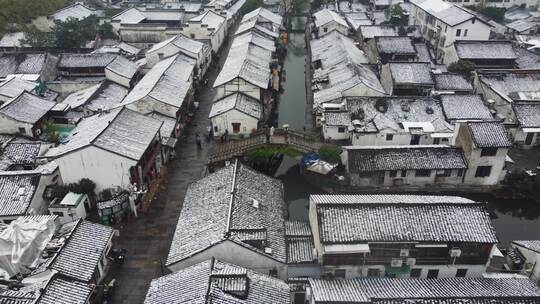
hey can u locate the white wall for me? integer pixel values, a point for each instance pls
(10, 126)
(225, 120)
(445, 271)
(332, 133)
(104, 168)
(200, 31)
(398, 139)
(149, 104)
(333, 26)
(116, 78)
(496, 162)
(231, 252)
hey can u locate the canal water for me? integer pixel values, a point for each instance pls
(513, 219)
(292, 102)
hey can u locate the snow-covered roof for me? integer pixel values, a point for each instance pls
(247, 61)
(384, 158)
(447, 12)
(168, 82)
(527, 114)
(343, 66)
(22, 64)
(16, 193)
(358, 219)
(512, 81)
(219, 281)
(81, 254)
(448, 290)
(521, 25)
(262, 14)
(299, 242)
(17, 153)
(129, 134)
(490, 135)
(376, 114)
(490, 49)
(186, 45)
(211, 19)
(252, 26)
(233, 204)
(411, 73)
(465, 107)
(533, 245)
(256, 39)
(13, 87)
(395, 45)
(105, 96)
(96, 60)
(120, 131)
(451, 82)
(26, 108)
(325, 16)
(123, 67)
(169, 123)
(372, 31)
(12, 40)
(76, 11)
(337, 118)
(129, 16)
(357, 19)
(237, 101)
(61, 290)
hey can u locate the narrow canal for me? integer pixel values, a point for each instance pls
(513, 219)
(292, 102)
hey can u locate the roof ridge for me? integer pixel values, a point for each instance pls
(108, 124)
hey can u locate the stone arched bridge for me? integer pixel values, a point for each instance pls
(298, 141)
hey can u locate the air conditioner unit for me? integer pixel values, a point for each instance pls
(455, 253)
(404, 253)
(411, 262)
(396, 263)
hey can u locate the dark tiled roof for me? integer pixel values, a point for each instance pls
(451, 82)
(485, 50)
(299, 242)
(368, 159)
(465, 107)
(395, 45)
(64, 291)
(19, 154)
(380, 290)
(490, 135)
(527, 114)
(85, 247)
(533, 245)
(203, 221)
(217, 282)
(16, 193)
(394, 222)
(85, 60)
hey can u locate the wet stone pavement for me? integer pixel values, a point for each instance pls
(148, 237)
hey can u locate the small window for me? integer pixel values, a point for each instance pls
(340, 273)
(236, 127)
(436, 141)
(58, 213)
(445, 28)
(465, 33)
(444, 173)
(422, 173)
(432, 273)
(22, 130)
(389, 137)
(192, 36)
(461, 273)
(458, 32)
(160, 56)
(325, 29)
(403, 173)
(460, 172)
(341, 129)
(488, 152)
(445, 139)
(215, 129)
(416, 272)
(483, 171)
(373, 272)
(474, 19)
(393, 173)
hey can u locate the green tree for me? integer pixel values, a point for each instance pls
(15, 14)
(462, 67)
(250, 5)
(105, 31)
(395, 15)
(495, 13)
(330, 153)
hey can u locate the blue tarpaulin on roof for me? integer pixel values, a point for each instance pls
(310, 159)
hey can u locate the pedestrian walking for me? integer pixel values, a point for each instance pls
(226, 135)
(198, 140)
(209, 132)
